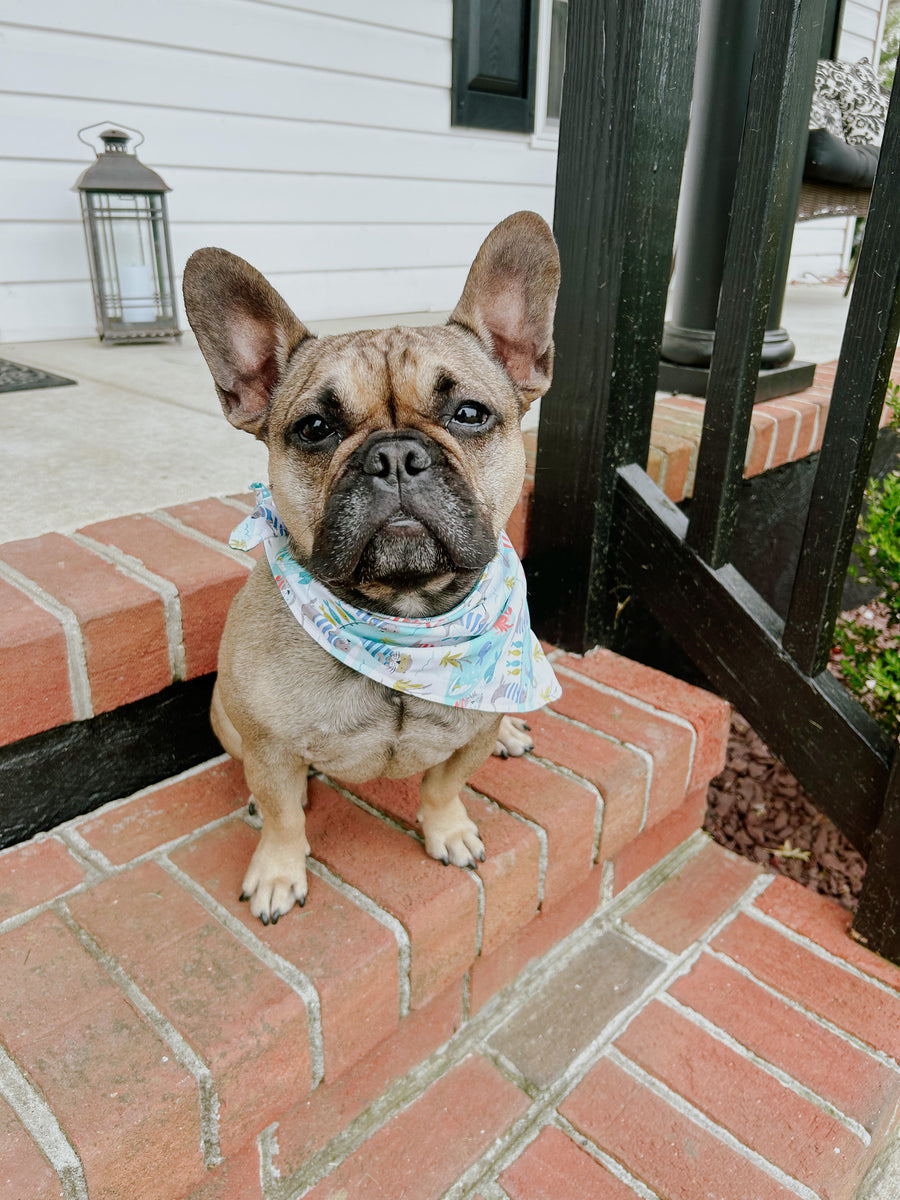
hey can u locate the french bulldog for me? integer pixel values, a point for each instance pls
(395, 460)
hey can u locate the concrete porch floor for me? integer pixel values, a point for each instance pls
(143, 428)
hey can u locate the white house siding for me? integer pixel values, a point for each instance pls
(313, 139)
(821, 248)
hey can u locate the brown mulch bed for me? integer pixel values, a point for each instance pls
(758, 809)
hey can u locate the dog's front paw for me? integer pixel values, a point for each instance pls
(450, 835)
(276, 879)
(513, 738)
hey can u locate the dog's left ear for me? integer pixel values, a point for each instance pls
(510, 298)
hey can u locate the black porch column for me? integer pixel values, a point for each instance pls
(727, 44)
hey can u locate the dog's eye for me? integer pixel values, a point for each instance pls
(471, 415)
(312, 429)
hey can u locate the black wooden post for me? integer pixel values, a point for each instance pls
(867, 352)
(877, 921)
(623, 128)
(779, 98)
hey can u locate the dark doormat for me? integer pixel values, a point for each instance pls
(16, 378)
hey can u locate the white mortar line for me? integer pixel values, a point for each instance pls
(286, 971)
(479, 912)
(188, 1058)
(647, 944)
(573, 777)
(663, 467)
(98, 861)
(382, 916)
(642, 754)
(815, 431)
(503, 1145)
(878, 1055)
(378, 813)
(492, 1191)
(606, 1160)
(795, 436)
(111, 805)
(40, 1121)
(642, 706)
(76, 661)
(833, 960)
(467, 995)
(197, 535)
(689, 956)
(698, 1117)
(237, 505)
(778, 1073)
(538, 830)
(770, 453)
(164, 588)
(607, 883)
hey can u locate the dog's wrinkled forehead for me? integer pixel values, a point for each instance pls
(394, 377)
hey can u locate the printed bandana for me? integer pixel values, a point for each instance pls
(482, 654)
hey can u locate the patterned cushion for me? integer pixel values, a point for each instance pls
(864, 107)
(848, 102)
(826, 109)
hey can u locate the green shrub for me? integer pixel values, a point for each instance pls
(870, 657)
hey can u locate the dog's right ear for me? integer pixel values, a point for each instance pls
(245, 330)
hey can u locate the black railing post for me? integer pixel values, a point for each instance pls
(867, 352)
(779, 98)
(629, 66)
(877, 921)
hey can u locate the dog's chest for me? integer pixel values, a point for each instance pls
(375, 732)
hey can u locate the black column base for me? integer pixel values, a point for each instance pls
(694, 347)
(779, 381)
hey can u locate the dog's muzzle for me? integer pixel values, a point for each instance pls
(400, 487)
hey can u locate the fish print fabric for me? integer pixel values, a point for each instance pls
(481, 654)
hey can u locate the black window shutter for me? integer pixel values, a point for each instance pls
(494, 59)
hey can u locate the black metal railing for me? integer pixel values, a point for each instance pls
(601, 529)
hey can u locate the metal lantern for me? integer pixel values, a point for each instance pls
(123, 205)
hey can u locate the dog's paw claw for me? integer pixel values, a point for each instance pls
(276, 879)
(450, 836)
(513, 739)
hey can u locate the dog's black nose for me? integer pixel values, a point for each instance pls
(396, 457)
